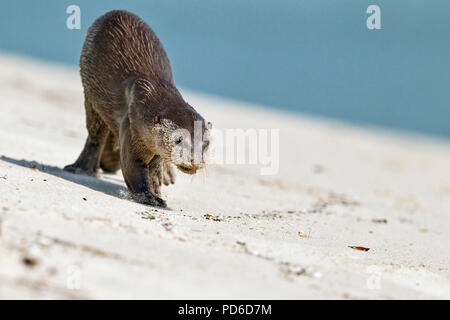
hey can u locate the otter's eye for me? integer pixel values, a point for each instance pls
(179, 140)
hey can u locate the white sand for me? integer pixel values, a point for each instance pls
(333, 181)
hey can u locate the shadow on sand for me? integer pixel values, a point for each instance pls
(94, 183)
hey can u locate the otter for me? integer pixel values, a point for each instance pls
(136, 118)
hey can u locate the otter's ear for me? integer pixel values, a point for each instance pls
(138, 90)
(129, 92)
(157, 120)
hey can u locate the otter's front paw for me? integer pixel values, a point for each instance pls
(150, 199)
(168, 174)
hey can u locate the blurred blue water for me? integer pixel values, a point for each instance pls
(313, 56)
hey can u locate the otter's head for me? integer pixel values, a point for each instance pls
(168, 125)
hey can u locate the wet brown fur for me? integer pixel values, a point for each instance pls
(128, 88)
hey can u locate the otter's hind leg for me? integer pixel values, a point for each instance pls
(88, 161)
(110, 160)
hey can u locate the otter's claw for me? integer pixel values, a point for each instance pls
(150, 199)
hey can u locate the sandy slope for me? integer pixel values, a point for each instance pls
(59, 230)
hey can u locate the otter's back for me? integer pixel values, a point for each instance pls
(119, 45)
